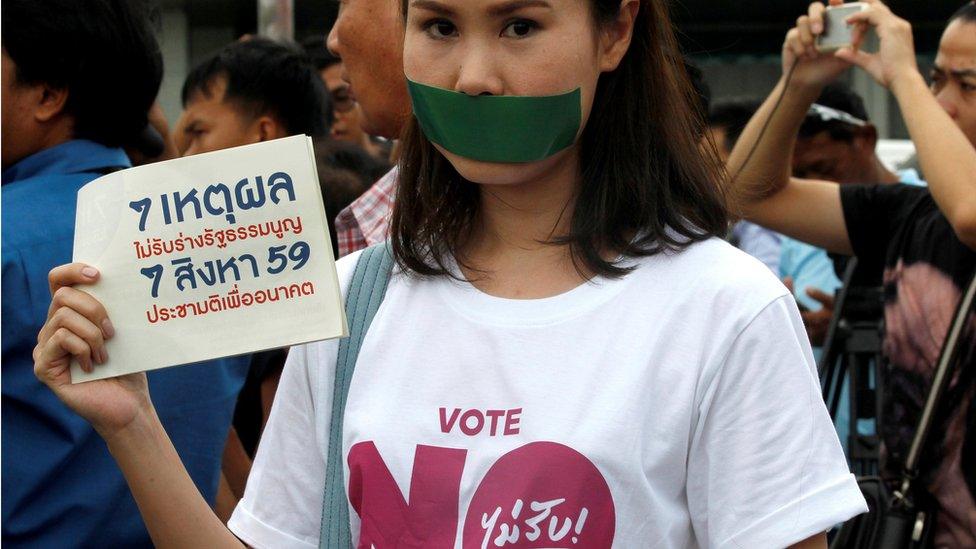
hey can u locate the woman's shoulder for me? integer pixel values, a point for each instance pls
(713, 269)
(345, 266)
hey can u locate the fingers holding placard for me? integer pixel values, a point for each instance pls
(71, 275)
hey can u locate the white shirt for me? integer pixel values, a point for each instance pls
(675, 407)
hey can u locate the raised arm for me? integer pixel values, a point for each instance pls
(947, 156)
(760, 167)
(120, 409)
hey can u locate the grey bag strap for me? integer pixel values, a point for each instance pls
(366, 292)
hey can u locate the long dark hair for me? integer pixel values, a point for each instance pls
(648, 186)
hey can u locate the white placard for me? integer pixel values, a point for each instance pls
(209, 256)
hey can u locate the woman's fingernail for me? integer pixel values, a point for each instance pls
(107, 328)
(90, 272)
(97, 356)
(104, 355)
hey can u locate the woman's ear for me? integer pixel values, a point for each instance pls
(616, 35)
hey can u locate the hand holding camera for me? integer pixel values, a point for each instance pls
(812, 66)
(895, 59)
(828, 40)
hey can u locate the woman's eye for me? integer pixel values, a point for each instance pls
(440, 29)
(519, 29)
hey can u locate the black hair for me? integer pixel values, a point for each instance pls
(318, 54)
(103, 52)
(648, 186)
(267, 77)
(703, 95)
(733, 115)
(841, 97)
(966, 13)
(345, 172)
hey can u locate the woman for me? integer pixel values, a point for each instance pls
(568, 356)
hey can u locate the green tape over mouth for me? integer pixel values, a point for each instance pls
(497, 128)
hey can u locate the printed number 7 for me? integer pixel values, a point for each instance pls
(154, 273)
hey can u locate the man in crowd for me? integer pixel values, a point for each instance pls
(251, 91)
(348, 114)
(837, 142)
(78, 79)
(920, 241)
(368, 36)
(248, 92)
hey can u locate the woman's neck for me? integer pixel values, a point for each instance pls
(508, 252)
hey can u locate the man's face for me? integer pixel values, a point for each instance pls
(368, 36)
(348, 115)
(827, 159)
(954, 76)
(209, 123)
(18, 133)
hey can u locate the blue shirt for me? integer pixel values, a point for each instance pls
(810, 267)
(759, 242)
(61, 488)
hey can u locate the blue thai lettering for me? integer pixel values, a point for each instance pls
(184, 273)
(224, 266)
(180, 202)
(279, 181)
(226, 208)
(254, 263)
(249, 198)
(208, 277)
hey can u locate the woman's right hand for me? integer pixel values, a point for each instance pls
(77, 327)
(813, 68)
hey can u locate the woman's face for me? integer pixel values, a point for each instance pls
(506, 47)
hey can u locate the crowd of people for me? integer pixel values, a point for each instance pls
(570, 345)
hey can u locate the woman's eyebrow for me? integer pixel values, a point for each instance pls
(434, 6)
(506, 8)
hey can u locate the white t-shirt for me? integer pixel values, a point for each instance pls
(675, 407)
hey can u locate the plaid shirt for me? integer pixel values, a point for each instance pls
(367, 220)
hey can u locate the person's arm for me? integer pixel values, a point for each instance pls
(946, 155)
(760, 167)
(174, 511)
(761, 411)
(816, 542)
